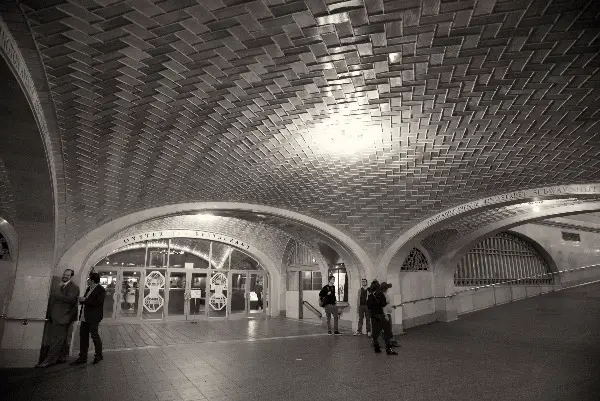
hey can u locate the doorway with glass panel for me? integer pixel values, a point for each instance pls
(186, 297)
(248, 294)
(182, 278)
(123, 296)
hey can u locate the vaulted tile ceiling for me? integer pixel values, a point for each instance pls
(205, 100)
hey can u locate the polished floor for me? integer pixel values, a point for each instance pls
(545, 348)
(121, 336)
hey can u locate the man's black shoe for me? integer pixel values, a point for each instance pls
(391, 352)
(97, 359)
(79, 361)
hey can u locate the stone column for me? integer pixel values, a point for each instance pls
(20, 346)
(445, 308)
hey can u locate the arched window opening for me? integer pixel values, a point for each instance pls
(341, 281)
(502, 258)
(415, 261)
(300, 255)
(4, 250)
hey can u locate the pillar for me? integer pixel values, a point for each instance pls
(28, 298)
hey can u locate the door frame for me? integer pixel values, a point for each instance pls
(187, 291)
(176, 318)
(116, 294)
(142, 277)
(248, 275)
(203, 316)
(236, 315)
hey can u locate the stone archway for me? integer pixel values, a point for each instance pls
(445, 266)
(415, 234)
(261, 256)
(77, 254)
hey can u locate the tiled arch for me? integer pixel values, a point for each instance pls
(445, 266)
(415, 234)
(77, 254)
(19, 50)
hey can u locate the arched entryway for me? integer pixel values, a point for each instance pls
(183, 278)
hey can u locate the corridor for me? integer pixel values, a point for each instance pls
(544, 348)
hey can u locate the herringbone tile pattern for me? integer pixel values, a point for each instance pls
(170, 101)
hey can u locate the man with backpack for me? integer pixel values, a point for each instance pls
(328, 301)
(376, 302)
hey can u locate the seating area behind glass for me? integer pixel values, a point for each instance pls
(182, 279)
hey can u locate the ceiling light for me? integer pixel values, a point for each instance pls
(206, 217)
(345, 133)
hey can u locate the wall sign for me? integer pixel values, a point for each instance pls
(155, 281)
(218, 283)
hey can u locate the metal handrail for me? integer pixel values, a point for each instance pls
(312, 309)
(493, 285)
(24, 319)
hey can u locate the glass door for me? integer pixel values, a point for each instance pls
(129, 294)
(239, 294)
(256, 294)
(248, 294)
(197, 287)
(177, 295)
(109, 280)
(186, 294)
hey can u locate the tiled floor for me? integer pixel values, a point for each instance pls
(545, 348)
(126, 336)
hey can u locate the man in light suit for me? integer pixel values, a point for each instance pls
(63, 312)
(92, 313)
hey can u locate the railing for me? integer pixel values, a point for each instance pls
(523, 280)
(312, 309)
(464, 281)
(24, 319)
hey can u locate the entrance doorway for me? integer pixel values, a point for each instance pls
(123, 299)
(182, 279)
(248, 294)
(186, 298)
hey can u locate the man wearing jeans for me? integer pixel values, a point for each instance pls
(327, 293)
(363, 310)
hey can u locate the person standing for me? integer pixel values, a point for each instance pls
(92, 313)
(376, 302)
(388, 310)
(363, 310)
(63, 312)
(258, 289)
(327, 295)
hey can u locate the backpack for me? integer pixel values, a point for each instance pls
(372, 301)
(322, 301)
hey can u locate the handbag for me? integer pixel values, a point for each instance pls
(322, 301)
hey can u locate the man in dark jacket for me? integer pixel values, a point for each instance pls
(327, 294)
(92, 312)
(63, 312)
(375, 302)
(363, 311)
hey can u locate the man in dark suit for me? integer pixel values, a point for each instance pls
(92, 312)
(63, 312)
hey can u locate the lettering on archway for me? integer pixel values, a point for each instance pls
(524, 194)
(164, 234)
